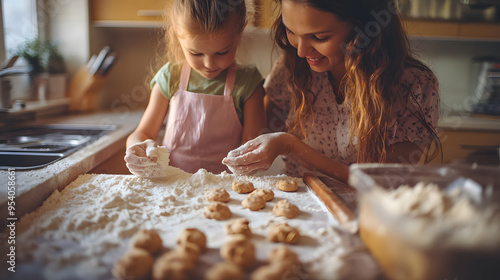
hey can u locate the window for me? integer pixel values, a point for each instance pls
(19, 22)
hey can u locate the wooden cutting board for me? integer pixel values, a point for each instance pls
(338, 197)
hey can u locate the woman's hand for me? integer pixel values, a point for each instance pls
(258, 154)
(139, 157)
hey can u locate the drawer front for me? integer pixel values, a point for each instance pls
(127, 10)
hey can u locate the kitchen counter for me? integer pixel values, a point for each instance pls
(34, 186)
(465, 121)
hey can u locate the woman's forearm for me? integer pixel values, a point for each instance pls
(314, 160)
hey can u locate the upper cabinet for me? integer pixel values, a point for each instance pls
(452, 29)
(149, 13)
(126, 12)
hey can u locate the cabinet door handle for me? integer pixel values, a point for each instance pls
(149, 13)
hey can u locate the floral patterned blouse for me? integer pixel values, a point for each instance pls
(330, 133)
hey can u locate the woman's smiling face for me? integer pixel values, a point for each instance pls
(317, 35)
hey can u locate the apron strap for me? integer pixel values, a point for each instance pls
(185, 73)
(231, 77)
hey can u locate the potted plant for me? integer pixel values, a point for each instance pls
(47, 68)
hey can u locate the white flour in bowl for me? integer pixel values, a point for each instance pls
(80, 232)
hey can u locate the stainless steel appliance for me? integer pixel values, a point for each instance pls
(485, 85)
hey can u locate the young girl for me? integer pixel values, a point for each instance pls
(213, 104)
(351, 90)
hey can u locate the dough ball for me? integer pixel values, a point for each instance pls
(287, 185)
(190, 237)
(224, 271)
(147, 239)
(239, 250)
(218, 211)
(135, 264)
(283, 254)
(218, 194)
(240, 186)
(253, 202)
(190, 249)
(285, 209)
(266, 194)
(239, 226)
(283, 233)
(273, 271)
(175, 264)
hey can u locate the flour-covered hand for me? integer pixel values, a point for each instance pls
(257, 154)
(140, 156)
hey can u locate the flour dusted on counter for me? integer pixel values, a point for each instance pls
(433, 215)
(80, 232)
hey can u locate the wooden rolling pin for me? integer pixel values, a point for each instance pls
(344, 215)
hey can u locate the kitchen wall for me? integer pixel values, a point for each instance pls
(66, 23)
(127, 85)
(451, 62)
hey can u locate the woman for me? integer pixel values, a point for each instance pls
(349, 87)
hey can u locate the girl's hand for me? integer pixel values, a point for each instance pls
(258, 154)
(139, 156)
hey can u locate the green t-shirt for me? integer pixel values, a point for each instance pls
(248, 78)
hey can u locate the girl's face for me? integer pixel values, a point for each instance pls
(317, 35)
(208, 54)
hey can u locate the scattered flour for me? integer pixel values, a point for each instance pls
(80, 232)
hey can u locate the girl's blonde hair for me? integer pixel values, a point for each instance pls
(372, 83)
(194, 17)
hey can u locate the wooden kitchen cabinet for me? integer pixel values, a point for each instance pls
(148, 13)
(116, 12)
(452, 29)
(113, 165)
(458, 145)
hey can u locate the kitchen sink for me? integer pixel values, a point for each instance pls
(37, 146)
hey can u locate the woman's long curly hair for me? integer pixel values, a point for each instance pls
(372, 83)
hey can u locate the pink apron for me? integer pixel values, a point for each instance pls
(202, 128)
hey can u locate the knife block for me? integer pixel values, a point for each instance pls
(83, 89)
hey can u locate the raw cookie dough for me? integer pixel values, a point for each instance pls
(147, 239)
(283, 254)
(285, 209)
(283, 233)
(218, 194)
(287, 185)
(239, 226)
(135, 264)
(192, 239)
(272, 271)
(218, 211)
(224, 271)
(253, 202)
(240, 186)
(175, 264)
(239, 250)
(266, 194)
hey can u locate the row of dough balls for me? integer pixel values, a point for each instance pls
(255, 201)
(139, 263)
(179, 263)
(239, 253)
(278, 233)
